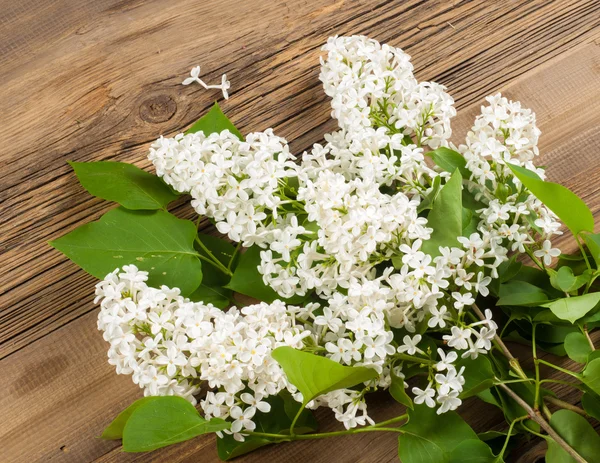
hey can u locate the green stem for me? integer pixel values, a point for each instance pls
(300, 410)
(213, 263)
(508, 435)
(322, 435)
(534, 259)
(237, 249)
(587, 262)
(512, 381)
(590, 283)
(567, 405)
(391, 421)
(536, 398)
(556, 367)
(585, 332)
(212, 259)
(536, 416)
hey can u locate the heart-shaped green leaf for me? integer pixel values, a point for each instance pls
(591, 404)
(591, 375)
(450, 160)
(446, 217)
(563, 279)
(520, 293)
(560, 200)
(573, 308)
(577, 347)
(578, 433)
(214, 121)
(478, 375)
(473, 451)
(165, 421)
(398, 392)
(125, 184)
(428, 437)
(157, 242)
(592, 242)
(115, 429)
(314, 375)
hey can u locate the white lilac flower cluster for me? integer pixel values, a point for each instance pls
(171, 346)
(373, 85)
(348, 223)
(506, 134)
(231, 181)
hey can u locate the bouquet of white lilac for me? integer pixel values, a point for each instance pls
(368, 257)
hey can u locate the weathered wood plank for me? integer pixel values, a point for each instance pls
(60, 391)
(74, 90)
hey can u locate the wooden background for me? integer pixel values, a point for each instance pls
(95, 80)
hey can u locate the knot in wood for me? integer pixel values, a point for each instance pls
(158, 109)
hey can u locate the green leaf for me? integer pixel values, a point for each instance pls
(124, 183)
(573, 308)
(593, 244)
(214, 121)
(277, 421)
(115, 429)
(520, 293)
(517, 312)
(591, 404)
(428, 200)
(535, 277)
(575, 262)
(445, 217)
(591, 375)
(470, 221)
(469, 201)
(478, 375)
(560, 200)
(212, 292)
(165, 421)
(581, 280)
(428, 437)
(156, 242)
(314, 375)
(473, 451)
(450, 160)
(578, 433)
(398, 393)
(507, 270)
(248, 281)
(563, 279)
(554, 333)
(545, 316)
(488, 397)
(591, 319)
(577, 347)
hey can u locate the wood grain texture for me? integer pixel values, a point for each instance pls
(100, 80)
